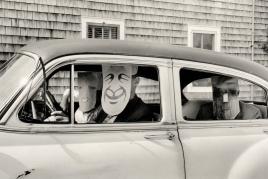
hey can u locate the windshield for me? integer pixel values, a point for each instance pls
(14, 75)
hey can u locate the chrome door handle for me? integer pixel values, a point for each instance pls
(168, 135)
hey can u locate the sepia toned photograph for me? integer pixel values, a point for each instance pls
(133, 89)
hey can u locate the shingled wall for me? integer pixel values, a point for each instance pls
(166, 21)
(161, 21)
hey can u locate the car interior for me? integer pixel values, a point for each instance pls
(196, 90)
(36, 109)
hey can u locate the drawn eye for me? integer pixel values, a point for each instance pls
(122, 77)
(109, 77)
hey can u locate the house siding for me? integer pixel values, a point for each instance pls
(22, 21)
(161, 21)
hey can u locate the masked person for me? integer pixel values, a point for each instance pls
(119, 101)
(88, 84)
(226, 104)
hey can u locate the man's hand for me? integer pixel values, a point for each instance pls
(64, 100)
(57, 116)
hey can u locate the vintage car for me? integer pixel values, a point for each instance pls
(44, 133)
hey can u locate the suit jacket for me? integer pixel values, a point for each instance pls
(247, 111)
(135, 111)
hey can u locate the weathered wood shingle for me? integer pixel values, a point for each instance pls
(149, 20)
(162, 21)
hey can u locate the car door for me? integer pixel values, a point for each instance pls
(228, 149)
(71, 150)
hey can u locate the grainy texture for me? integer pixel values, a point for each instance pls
(161, 21)
(22, 21)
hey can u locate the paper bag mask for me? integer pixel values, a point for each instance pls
(116, 88)
(87, 87)
(225, 97)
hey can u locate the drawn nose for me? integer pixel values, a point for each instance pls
(114, 94)
(118, 92)
(109, 92)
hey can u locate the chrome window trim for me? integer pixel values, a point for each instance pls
(164, 66)
(72, 94)
(179, 64)
(88, 129)
(91, 59)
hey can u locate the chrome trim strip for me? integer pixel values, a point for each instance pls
(98, 59)
(72, 94)
(85, 129)
(167, 123)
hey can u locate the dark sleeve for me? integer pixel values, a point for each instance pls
(136, 111)
(205, 112)
(141, 114)
(200, 114)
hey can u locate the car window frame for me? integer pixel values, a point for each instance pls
(209, 88)
(164, 66)
(179, 64)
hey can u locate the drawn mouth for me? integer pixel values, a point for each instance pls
(113, 102)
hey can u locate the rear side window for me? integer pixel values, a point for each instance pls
(211, 96)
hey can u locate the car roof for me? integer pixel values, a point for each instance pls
(49, 50)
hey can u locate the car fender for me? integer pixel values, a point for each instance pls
(253, 163)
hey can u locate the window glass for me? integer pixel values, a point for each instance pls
(203, 40)
(51, 107)
(202, 83)
(197, 39)
(13, 76)
(116, 94)
(226, 97)
(102, 94)
(208, 40)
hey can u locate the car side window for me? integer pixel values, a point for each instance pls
(103, 93)
(116, 94)
(211, 96)
(42, 107)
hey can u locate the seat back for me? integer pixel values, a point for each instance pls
(190, 108)
(263, 110)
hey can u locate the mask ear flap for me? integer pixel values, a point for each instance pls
(100, 82)
(134, 70)
(136, 81)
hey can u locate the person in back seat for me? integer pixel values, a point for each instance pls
(226, 104)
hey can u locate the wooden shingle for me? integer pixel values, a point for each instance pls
(32, 7)
(146, 20)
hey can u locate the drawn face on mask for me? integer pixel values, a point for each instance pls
(87, 87)
(116, 88)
